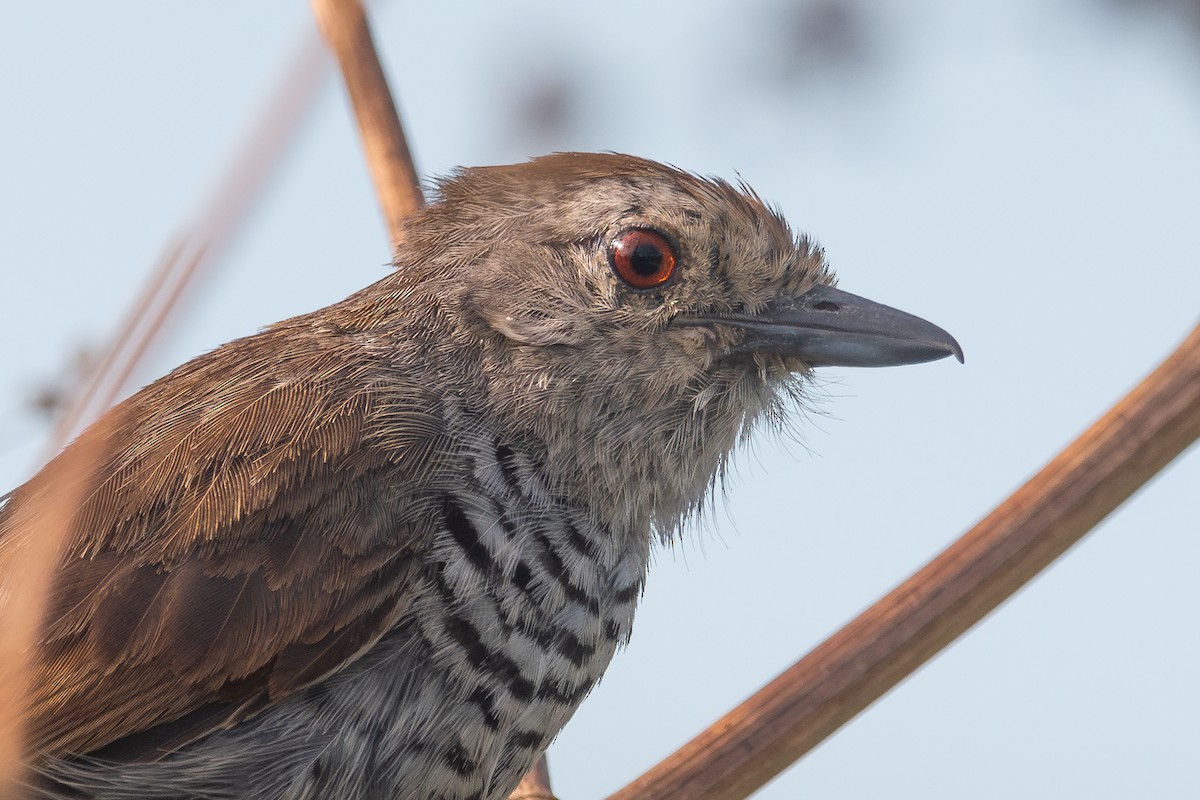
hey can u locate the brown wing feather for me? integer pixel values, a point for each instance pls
(253, 530)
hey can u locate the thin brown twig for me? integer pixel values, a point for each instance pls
(123, 371)
(198, 246)
(756, 741)
(536, 783)
(344, 25)
(111, 362)
(389, 159)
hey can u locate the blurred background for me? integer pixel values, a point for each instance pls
(1025, 174)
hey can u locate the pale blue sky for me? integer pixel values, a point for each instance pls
(1025, 174)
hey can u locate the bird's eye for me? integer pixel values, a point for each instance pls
(642, 258)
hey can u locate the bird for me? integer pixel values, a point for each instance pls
(386, 548)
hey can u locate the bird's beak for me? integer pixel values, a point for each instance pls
(826, 327)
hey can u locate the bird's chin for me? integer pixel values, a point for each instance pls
(766, 367)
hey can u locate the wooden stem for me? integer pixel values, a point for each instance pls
(199, 245)
(760, 738)
(344, 26)
(536, 783)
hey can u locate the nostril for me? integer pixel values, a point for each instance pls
(826, 305)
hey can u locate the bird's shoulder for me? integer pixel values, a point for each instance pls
(255, 523)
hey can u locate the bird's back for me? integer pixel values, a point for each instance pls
(278, 557)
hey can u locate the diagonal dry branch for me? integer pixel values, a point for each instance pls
(199, 245)
(794, 713)
(344, 26)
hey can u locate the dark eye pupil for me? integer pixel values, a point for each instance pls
(642, 258)
(646, 259)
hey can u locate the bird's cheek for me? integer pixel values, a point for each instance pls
(794, 365)
(773, 368)
(701, 345)
(533, 326)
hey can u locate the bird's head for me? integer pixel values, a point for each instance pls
(650, 313)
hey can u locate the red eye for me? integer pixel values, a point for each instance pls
(642, 258)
